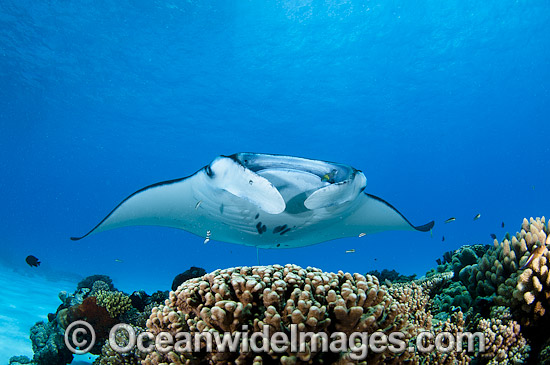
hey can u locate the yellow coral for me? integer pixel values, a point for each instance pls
(115, 302)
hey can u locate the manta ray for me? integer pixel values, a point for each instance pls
(262, 200)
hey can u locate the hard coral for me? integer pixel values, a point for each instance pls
(115, 302)
(111, 357)
(48, 345)
(276, 296)
(416, 298)
(193, 272)
(89, 281)
(500, 273)
(504, 342)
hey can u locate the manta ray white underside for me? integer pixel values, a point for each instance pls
(267, 201)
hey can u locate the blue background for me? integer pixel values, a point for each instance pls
(443, 105)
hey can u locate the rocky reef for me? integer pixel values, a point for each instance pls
(500, 291)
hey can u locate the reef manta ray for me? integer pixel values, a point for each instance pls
(262, 200)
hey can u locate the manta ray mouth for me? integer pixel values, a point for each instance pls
(327, 172)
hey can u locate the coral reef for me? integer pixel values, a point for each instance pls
(515, 272)
(48, 345)
(89, 281)
(115, 302)
(501, 290)
(193, 272)
(99, 286)
(456, 260)
(19, 360)
(391, 275)
(277, 296)
(505, 344)
(96, 315)
(111, 357)
(454, 296)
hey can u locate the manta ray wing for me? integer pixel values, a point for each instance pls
(220, 197)
(374, 214)
(160, 204)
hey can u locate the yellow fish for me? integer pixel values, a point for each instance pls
(452, 219)
(477, 216)
(350, 251)
(329, 177)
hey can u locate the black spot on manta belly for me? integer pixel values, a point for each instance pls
(279, 229)
(278, 245)
(261, 228)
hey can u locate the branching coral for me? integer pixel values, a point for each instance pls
(504, 342)
(500, 271)
(416, 297)
(532, 291)
(277, 296)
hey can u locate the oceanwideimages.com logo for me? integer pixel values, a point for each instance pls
(80, 337)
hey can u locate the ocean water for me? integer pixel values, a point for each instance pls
(443, 105)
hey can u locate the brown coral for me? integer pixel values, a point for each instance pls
(500, 271)
(277, 296)
(416, 297)
(504, 342)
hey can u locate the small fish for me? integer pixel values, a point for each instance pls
(198, 204)
(452, 219)
(32, 261)
(375, 259)
(118, 260)
(350, 251)
(362, 234)
(493, 236)
(329, 177)
(502, 224)
(478, 215)
(537, 252)
(443, 239)
(208, 233)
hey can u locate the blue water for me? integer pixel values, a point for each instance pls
(443, 105)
